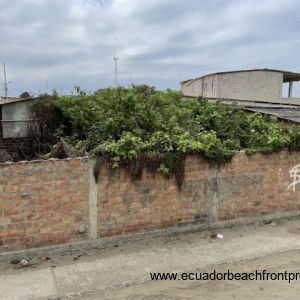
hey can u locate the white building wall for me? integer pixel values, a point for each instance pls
(253, 86)
(205, 86)
(234, 86)
(192, 88)
(210, 86)
(266, 86)
(184, 88)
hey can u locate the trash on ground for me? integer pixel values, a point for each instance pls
(24, 262)
(216, 236)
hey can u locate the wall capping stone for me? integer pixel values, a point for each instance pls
(41, 161)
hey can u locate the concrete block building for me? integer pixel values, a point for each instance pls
(15, 120)
(259, 85)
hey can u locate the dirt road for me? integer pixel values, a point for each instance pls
(103, 272)
(223, 290)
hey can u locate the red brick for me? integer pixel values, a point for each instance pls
(42, 210)
(58, 191)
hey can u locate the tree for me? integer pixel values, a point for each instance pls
(25, 95)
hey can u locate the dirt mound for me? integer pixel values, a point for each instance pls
(63, 150)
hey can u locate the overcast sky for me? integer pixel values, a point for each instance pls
(158, 42)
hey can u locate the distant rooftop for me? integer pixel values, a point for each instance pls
(288, 76)
(8, 100)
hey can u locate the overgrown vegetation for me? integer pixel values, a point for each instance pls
(141, 127)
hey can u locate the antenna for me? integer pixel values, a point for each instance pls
(5, 82)
(116, 68)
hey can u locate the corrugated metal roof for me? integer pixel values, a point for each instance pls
(280, 111)
(287, 113)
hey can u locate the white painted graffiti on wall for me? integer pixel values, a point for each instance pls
(295, 174)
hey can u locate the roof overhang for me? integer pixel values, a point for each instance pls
(290, 76)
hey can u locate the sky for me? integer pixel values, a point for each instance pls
(58, 44)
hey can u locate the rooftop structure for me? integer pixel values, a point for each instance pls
(15, 117)
(258, 85)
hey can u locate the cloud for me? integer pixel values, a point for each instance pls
(159, 42)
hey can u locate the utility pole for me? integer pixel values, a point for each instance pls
(116, 68)
(5, 83)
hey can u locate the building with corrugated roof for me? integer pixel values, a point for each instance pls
(259, 85)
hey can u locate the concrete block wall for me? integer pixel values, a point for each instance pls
(192, 88)
(20, 113)
(46, 203)
(265, 86)
(12, 145)
(248, 85)
(210, 86)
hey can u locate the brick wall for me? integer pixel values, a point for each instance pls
(43, 203)
(258, 185)
(246, 187)
(56, 202)
(154, 201)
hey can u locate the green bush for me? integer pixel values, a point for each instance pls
(125, 124)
